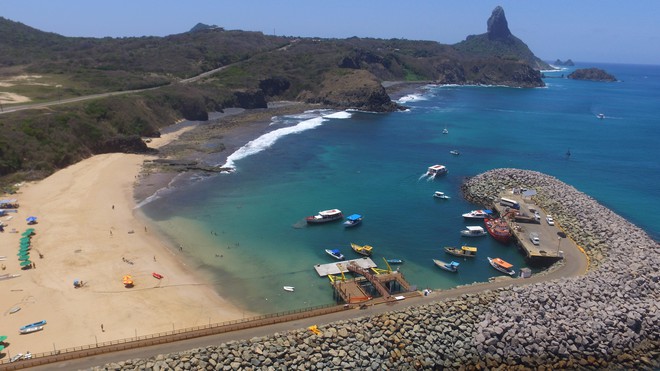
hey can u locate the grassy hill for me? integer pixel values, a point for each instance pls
(256, 69)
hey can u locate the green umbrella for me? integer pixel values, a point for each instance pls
(2, 347)
(25, 263)
(26, 238)
(24, 258)
(22, 253)
(23, 250)
(3, 338)
(25, 243)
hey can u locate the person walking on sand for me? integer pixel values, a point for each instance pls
(102, 330)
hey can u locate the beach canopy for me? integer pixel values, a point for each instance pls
(25, 263)
(2, 347)
(25, 238)
(27, 233)
(3, 338)
(24, 258)
(21, 253)
(31, 219)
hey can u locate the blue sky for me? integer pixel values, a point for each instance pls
(583, 30)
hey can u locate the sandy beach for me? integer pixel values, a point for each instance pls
(89, 230)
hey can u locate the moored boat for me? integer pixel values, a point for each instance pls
(436, 170)
(438, 194)
(454, 152)
(473, 231)
(464, 251)
(501, 266)
(498, 229)
(451, 267)
(394, 261)
(353, 220)
(335, 253)
(288, 288)
(362, 249)
(325, 216)
(478, 214)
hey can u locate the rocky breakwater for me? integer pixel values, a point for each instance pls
(607, 318)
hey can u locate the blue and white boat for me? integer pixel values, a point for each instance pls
(451, 267)
(353, 220)
(335, 253)
(33, 325)
(394, 261)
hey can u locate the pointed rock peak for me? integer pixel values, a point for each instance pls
(498, 27)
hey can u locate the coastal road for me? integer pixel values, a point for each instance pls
(575, 263)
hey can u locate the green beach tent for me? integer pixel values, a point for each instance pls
(25, 238)
(24, 258)
(24, 249)
(25, 263)
(25, 243)
(3, 338)
(21, 253)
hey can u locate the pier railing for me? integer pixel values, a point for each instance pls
(58, 355)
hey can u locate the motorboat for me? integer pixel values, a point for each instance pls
(325, 216)
(442, 195)
(436, 170)
(478, 214)
(353, 220)
(600, 116)
(454, 152)
(473, 231)
(450, 267)
(498, 229)
(335, 253)
(394, 261)
(445, 130)
(501, 266)
(362, 249)
(464, 251)
(288, 288)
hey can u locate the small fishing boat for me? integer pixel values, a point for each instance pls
(600, 116)
(473, 231)
(394, 261)
(353, 220)
(325, 216)
(36, 324)
(288, 288)
(445, 130)
(501, 266)
(451, 267)
(464, 251)
(362, 249)
(30, 330)
(498, 229)
(14, 310)
(478, 214)
(454, 152)
(335, 253)
(442, 195)
(434, 170)
(157, 275)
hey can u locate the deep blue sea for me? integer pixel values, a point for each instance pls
(246, 230)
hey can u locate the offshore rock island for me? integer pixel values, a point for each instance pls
(607, 318)
(591, 74)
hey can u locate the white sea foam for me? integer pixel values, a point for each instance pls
(411, 98)
(268, 139)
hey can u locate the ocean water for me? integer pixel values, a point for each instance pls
(246, 230)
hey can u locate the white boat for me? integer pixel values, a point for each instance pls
(445, 131)
(30, 330)
(451, 267)
(478, 214)
(501, 266)
(325, 216)
(438, 194)
(335, 253)
(600, 116)
(473, 231)
(454, 152)
(436, 170)
(288, 288)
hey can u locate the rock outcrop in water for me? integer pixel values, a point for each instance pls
(608, 318)
(591, 74)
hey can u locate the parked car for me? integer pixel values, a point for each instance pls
(549, 219)
(534, 237)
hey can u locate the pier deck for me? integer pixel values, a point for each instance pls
(340, 267)
(550, 236)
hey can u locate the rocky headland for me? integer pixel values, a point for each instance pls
(608, 318)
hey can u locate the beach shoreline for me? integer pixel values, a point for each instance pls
(89, 230)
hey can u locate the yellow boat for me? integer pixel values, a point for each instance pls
(362, 250)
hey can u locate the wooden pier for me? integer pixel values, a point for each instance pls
(386, 284)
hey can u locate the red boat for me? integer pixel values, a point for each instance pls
(156, 275)
(499, 229)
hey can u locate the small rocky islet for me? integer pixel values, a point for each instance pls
(608, 318)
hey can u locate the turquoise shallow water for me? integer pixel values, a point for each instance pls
(246, 229)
